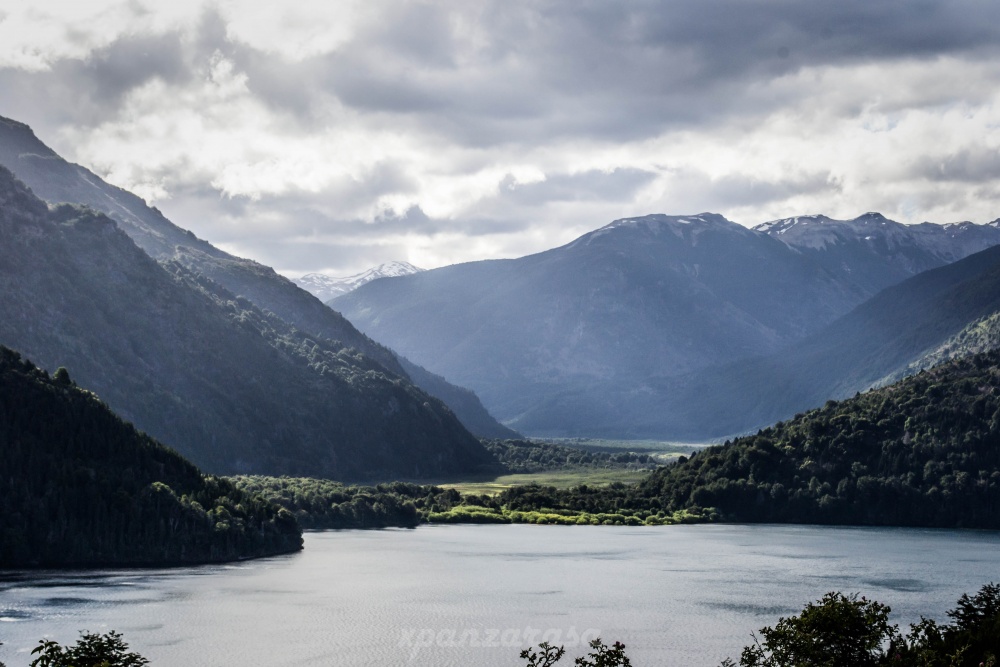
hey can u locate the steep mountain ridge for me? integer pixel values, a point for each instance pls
(231, 387)
(55, 180)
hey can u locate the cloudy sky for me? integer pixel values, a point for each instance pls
(331, 136)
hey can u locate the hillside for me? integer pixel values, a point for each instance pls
(55, 180)
(82, 487)
(231, 387)
(922, 452)
(879, 340)
(640, 297)
(463, 402)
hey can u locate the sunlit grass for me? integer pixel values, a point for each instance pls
(562, 479)
(638, 446)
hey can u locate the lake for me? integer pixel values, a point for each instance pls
(476, 595)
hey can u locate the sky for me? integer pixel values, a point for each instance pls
(319, 136)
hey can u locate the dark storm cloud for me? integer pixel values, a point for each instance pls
(626, 70)
(616, 71)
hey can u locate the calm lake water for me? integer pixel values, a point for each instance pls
(475, 595)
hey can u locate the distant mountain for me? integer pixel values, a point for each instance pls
(82, 487)
(603, 336)
(656, 295)
(230, 386)
(325, 287)
(935, 315)
(56, 180)
(873, 252)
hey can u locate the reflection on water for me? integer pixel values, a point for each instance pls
(476, 595)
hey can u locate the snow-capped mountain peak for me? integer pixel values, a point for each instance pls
(326, 287)
(885, 238)
(781, 226)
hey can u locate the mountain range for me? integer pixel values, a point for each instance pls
(679, 327)
(325, 287)
(875, 252)
(177, 347)
(573, 340)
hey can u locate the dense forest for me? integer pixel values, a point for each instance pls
(323, 504)
(81, 486)
(318, 503)
(922, 452)
(528, 456)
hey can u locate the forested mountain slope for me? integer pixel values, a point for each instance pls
(231, 387)
(55, 180)
(922, 452)
(82, 487)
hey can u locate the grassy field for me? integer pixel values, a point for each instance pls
(558, 478)
(637, 446)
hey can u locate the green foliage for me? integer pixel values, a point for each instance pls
(835, 631)
(972, 640)
(601, 655)
(61, 376)
(526, 456)
(604, 656)
(91, 650)
(549, 655)
(318, 503)
(921, 452)
(82, 487)
(847, 630)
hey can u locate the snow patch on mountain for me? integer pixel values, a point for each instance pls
(326, 287)
(682, 226)
(948, 242)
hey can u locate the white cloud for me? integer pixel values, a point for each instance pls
(457, 131)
